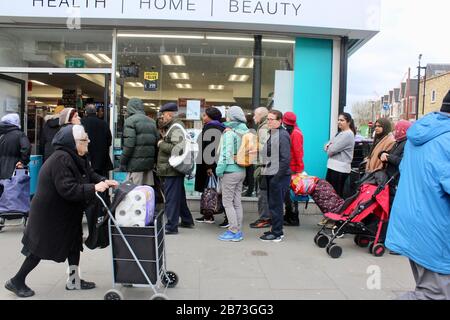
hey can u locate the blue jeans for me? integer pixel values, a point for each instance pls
(278, 190)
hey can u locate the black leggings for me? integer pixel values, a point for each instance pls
(32, 261)
(337, 180)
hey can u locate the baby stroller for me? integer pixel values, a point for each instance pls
(364, 215)
(138, 253)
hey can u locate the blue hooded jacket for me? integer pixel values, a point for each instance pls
(419, 226)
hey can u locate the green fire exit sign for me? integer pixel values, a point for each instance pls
(75, 63)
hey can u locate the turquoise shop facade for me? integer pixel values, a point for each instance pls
(326, 32)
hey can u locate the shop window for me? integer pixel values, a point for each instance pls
(55, 48)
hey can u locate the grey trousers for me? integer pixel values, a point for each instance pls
(141, 178)
(231, 198)
(429, 285)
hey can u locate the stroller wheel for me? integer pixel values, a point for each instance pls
(159, 296)
(322, 240)
(113, 294)
(170, 279)
(378, 250)
(334, 251)
(334, 232)
(362, 241)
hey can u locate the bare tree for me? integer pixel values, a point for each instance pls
(362, 112)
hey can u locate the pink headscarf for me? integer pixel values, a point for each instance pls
(400, 129)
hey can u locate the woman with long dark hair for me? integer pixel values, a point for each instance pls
(340, 153)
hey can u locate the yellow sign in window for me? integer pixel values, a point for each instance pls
(151, 76)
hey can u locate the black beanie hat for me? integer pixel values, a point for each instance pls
(213, 113)
(446, 103)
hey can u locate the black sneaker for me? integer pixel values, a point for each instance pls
(266, 237)
(291, 223)
(171, 231)
(186, 225)
(204, 220)
(224, 224)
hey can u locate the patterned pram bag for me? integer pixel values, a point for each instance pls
(326, 197)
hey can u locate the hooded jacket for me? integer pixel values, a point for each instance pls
(229, 146)
(49, 130)
(140, 136)
(420, 216)
(65, 187)
(14, 147)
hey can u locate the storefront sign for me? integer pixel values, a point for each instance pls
(343, 14)
(151, 81)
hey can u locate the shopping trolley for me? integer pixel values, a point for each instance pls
(139, 257)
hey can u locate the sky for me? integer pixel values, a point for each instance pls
(408, 28)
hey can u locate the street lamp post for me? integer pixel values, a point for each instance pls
(419, 68)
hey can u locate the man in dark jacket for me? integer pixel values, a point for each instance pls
(101, 140)
(15, 148)
(276, 158)
(139, 144)
(48, 132)
(175, 194)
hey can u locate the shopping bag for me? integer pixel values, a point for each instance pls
(302, 184)
(97, 221)
(15, 197)
(210, 201)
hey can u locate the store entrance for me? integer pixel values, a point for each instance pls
(46, 93)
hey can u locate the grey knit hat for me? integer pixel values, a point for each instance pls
(235, 113)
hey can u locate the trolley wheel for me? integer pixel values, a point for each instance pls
(371, 244)
(334, 251)
(2, 223)
(170, 279)
(159, 296)
(378, 250)
(362, 241)
(322, 241)
(113, 294)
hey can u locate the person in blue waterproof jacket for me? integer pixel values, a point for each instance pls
(419, 226)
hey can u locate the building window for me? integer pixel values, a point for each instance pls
(433, 96)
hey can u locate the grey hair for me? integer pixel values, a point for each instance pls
(90, 108)
(263, 111)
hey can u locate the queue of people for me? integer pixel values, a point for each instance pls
(73, 172)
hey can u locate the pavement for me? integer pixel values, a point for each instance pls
(208, 269)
